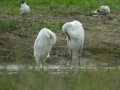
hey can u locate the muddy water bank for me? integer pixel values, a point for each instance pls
(102, 43)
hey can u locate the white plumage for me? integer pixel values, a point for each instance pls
(43, 45)
(105, 8)
(102, 10)
(24, 9)
(75, 38)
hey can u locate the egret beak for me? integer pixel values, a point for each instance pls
(68, 35)
(69, 39)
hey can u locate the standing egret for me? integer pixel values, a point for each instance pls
(43, 45)
(24, 9)
(75, 39)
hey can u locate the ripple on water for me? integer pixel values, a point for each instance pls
(53, 68)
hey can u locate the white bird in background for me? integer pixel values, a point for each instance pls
(43, 45)
(102, 10)
(75, 39)
(24, 9)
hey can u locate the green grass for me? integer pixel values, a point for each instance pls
(27, 27)
(43, 6)
(79, 80)
(8, 25)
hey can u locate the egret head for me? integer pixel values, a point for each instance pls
(98, 10)
(22, 1)
(67, 27)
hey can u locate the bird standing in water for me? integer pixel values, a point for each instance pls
(75, 39)
(43, 45)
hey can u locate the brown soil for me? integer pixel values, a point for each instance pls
(102, 41)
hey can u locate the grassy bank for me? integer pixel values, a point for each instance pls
(56, 7)
(17, 33)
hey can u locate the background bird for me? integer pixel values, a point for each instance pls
(24, 9)
(43, 45)
(102, 10)
(75, 39)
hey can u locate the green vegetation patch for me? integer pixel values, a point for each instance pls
(74, 80)
(57, 6)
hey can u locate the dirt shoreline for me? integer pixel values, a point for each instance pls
(102, 40)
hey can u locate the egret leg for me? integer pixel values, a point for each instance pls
(37, 65)
(42, 65)
(48, 56)
(75, 59)
(80, 52)
(79, 57)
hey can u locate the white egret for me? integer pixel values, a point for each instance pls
(75, 39)
(43, 45)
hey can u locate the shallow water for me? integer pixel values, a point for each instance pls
(56, 68)
(59, 77)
